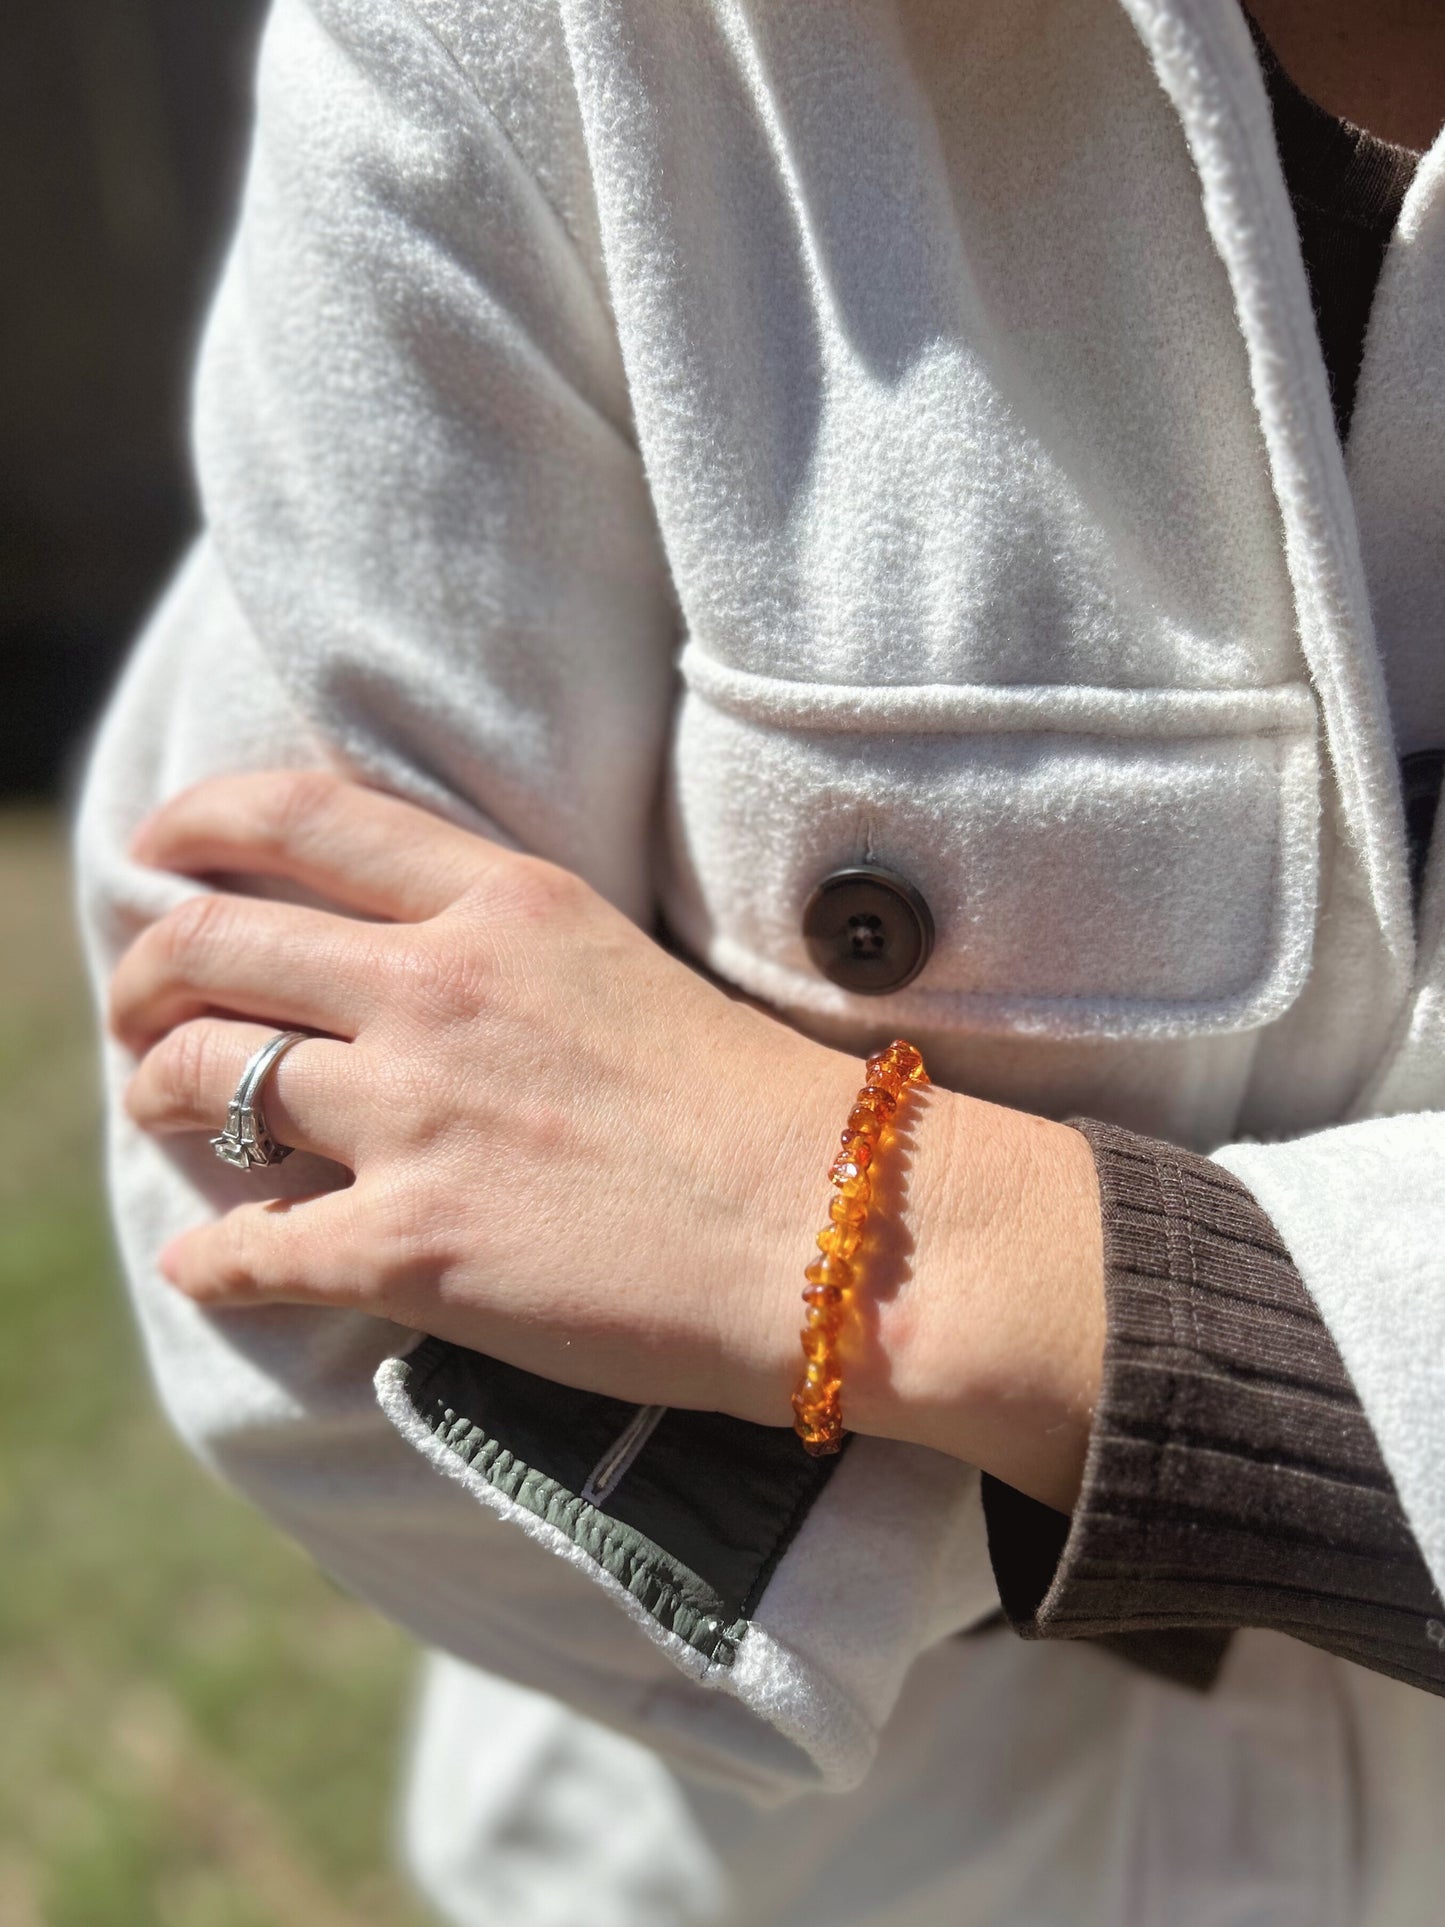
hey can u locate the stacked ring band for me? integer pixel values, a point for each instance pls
(245, 1142)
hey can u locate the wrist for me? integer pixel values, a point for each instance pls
(981, 1327)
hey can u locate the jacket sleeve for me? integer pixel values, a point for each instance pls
(430, 558)
(1233, 1478)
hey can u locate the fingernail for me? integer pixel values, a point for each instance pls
(168, 1262)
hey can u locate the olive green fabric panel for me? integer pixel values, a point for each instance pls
(694, 1529)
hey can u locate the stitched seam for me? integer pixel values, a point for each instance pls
(1224, 1007)
(1275, 1455)
(1199, 1585)
(611, 1545)
(623, 1453)
(1220, 1366)
(1160, 1468)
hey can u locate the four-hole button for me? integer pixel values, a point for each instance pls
(868, 930)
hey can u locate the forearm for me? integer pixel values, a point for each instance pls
(982, 1323)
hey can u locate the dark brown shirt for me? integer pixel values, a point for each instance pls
(1232, 1478)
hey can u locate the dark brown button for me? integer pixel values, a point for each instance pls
(868, 930)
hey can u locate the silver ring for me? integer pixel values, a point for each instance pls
(246, 1141)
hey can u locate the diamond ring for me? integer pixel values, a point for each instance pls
(245, 1141)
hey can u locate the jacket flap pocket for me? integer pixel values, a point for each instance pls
(1097, 862)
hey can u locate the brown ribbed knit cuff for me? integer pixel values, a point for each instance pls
(1232, 1477)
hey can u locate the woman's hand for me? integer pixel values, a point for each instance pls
(569, 1149)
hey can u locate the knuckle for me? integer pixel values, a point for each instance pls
(536, 888)
(185, 1065)
(411, 1227)
(524, 889)
(447, 980)
(233, 1268)
(197, 925)
(297, 802)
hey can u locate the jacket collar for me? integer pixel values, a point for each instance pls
(1205, 61)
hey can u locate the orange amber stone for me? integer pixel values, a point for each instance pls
(820, 1431)
(849, 1175)
(829, 1271)
(840, 1240)
(817, 1410)
(820, 1411)
(874, 1098)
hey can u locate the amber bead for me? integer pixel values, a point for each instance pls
(863, 1121)
(874, 1098)
(817, 1407)
(859, 1149)
(909, 1061)
(849, 1175)
(825, 1422)
(821, 1433)
(840, 1240)
(824, 1297)
(829, 1271)
(846, 1208)
(818, 1343)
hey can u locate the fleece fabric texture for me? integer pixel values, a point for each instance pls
(711, 443)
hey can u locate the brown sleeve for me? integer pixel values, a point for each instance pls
(1232, 1476)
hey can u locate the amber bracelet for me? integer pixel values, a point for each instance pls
(828, 1294)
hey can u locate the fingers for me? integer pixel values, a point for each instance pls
(304, 969)
(309, 1100)
(296, 1251)
(360, 849)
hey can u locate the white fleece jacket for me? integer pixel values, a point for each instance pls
(713, 441)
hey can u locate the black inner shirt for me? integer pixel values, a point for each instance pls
(1346, 187)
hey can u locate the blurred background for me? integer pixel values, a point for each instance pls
(196, 1730)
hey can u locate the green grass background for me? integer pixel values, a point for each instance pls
(196, 1729)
